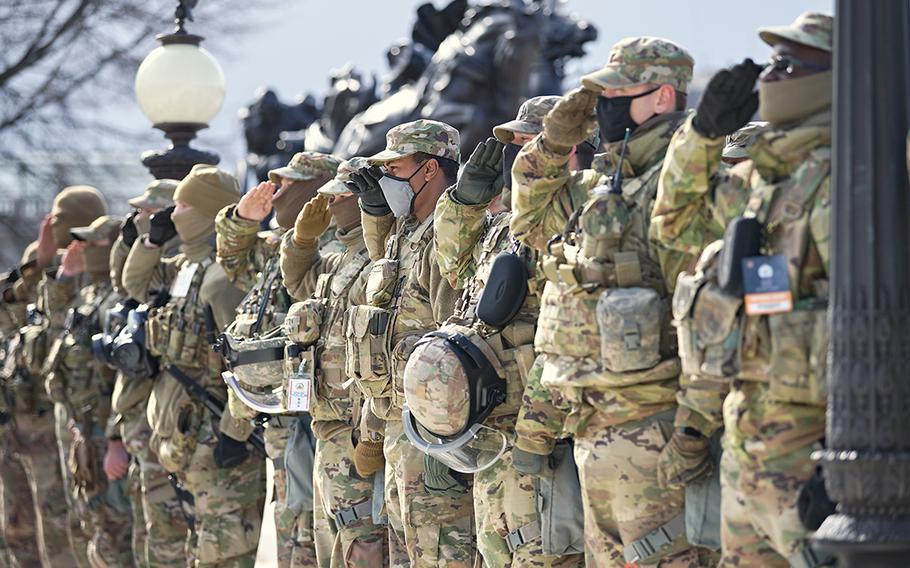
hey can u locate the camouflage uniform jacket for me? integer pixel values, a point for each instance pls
(545, 193)
(336, 281)
(779, 395)
(468, 240)
(177, 331)
(72, 375)
(415, 293)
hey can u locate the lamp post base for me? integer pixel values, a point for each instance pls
(867, 542)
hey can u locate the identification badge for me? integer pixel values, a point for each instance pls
(181, 284)
(299, 386)
(767, 285)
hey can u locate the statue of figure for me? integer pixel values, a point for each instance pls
(264, 121)
(494, 55)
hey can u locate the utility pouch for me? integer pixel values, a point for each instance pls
(34, 348)
(382, 281)
(156, 332)
(505, 290)
(304, 320)
(742, 239)
(630, 322)
(567, 323)
(175, 451)
(558, 502)
(718, 331)
(798, 364)
(687, 289)
(367, 330)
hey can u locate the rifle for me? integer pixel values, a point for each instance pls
(199, 393)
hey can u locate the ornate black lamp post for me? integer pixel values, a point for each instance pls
(180, 88)
(868, 461)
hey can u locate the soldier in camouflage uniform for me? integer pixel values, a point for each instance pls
(250, 260)
(468, 239)
(17, 513)
(328, 283)
(227, 487)
(78, 296)
(159, 520)
(609, 349)
(429, 506)
(33, 412)
(774, 415)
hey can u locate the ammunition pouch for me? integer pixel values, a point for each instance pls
(367, 331)
(382, 282)
(708, 321)
(797, 369)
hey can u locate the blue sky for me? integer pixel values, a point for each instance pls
(295, 43)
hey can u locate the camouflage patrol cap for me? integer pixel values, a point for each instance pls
(157, 195)
(529, 119)
(335, 186)
(813, 29)
(306, 166)
(736, 143)
(104, 227)
(638, 61)
(428, 136)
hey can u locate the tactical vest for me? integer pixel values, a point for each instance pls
(70, 370)
(788, 351)
(315, 331)
(513, 344)
(265, 305)
(380, 335)
(177, 332)
(605, 298)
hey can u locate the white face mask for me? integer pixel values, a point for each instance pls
(398, 192)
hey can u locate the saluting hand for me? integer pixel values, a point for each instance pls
(256, 204)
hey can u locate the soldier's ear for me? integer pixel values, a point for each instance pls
(666, 99)
(432, 168)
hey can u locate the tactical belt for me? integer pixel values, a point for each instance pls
(523, 535)
(655, 541)
(809, 557)
(350, 515)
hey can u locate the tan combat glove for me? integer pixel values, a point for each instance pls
(571, 121)
(368, 458)
(683, 460)
(312, 220)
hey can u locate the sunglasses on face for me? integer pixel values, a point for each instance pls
(788, 64)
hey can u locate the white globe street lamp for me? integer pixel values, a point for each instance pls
(180, 88)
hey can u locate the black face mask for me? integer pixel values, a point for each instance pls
(509, 153)
(613, 116)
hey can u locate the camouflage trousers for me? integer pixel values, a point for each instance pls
(160, 530)
(99, 519)
(437, 525)
(505, 500)
(293, 529)
(759, 522)
(17, 509)
(338, 489)
(617, 468)
(36, 451)
(227, 503)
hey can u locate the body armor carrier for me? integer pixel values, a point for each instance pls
(788, 350)
(376, 349)
(605, 298)
(316, 342)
